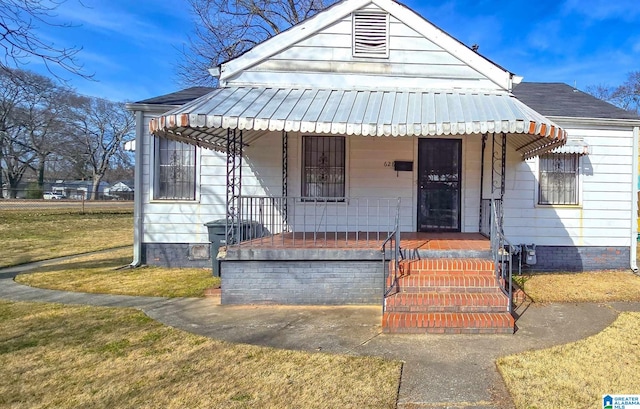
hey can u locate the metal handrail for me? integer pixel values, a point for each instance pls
(502, 251)
(394, 236)
(323, 221)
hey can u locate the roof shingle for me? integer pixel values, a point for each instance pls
(558, 99)
(179, 97)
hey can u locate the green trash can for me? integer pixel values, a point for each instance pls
(248, 230)
(217, 237)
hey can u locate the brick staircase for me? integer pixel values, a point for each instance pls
(446, 295)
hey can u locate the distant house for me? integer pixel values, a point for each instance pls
(367, 126)
(78, 189)
(122, 190)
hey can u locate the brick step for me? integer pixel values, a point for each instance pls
(446, 282)
(447, 323)
(449, 265)
(447, 302)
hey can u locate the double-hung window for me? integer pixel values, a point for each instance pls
(559, 179)
(175, 170)
(323, 167)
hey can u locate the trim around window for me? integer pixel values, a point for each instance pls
(174, 176)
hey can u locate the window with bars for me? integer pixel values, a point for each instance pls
(323, 167)
(175, 175)
(559, 179)
(370, 34)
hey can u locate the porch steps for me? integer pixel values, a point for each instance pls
(446, 295)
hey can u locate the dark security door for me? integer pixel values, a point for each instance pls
(439, 171)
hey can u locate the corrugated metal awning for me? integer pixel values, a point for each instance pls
(575, 146)
(257, 110)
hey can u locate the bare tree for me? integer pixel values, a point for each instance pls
(17, 156)
(225, 29)
(19, 22)
(32, 122)
(101, 128)
(625, 96)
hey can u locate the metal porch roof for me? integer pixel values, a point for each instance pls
(576, 146)
(257, 110)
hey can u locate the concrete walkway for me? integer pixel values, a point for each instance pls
(440, 371)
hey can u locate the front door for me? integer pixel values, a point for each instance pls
(439, 171)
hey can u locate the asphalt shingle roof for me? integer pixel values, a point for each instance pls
(558, 99)
(179, 97)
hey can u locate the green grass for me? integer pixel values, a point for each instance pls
(103, 273)
(27, 236)
(54, 356)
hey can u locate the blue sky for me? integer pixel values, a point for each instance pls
(132, 46)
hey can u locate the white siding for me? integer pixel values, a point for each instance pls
(325, 60)
(606, 182)
(472, 159)
(603, 218)
(167, 221)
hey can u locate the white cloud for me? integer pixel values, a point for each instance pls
(118, 18)
(627, 10)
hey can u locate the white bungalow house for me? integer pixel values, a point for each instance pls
(366, 155)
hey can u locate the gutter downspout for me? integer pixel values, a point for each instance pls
(137, 198)
(634, 203)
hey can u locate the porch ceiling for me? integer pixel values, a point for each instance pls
(258, 110)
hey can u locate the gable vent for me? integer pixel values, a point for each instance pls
(370, 34)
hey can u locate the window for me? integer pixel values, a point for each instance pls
(175, 175)
(559, 179)
(370, 34)
(323, 166)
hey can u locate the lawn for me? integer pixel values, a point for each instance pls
(594, 286)
(34, 235)
(68, 357)
(104, 273)
(576, 375)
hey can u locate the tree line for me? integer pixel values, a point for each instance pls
(50, 131)
(625, 95)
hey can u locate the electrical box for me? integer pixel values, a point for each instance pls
(403, 166)
(530, 254)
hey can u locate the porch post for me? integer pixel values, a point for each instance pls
(234, 185)
(498, 170)
(285, 176)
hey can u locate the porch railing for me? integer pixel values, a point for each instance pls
(502, 252)
(323, 222)
(393, 241)
(486, 210)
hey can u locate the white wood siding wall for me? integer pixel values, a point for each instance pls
(367, 178)
(168, 221)
(413, 62)
(606, 183)
(603, 218)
